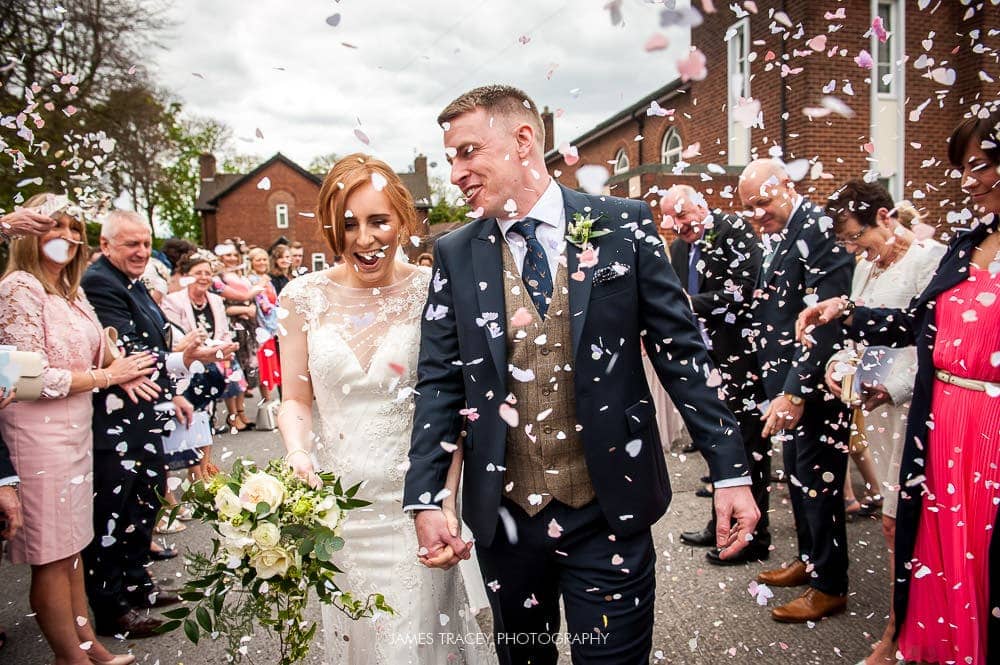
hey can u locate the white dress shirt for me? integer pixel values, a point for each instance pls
(550, 210)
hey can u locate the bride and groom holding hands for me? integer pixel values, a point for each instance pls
(514, 370)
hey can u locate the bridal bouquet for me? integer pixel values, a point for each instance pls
(276, 536)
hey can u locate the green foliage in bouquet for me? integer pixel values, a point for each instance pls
(276, 540)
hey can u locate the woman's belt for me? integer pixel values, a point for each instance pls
(969, 384)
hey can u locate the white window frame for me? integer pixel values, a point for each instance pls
(321, 258)
(890, 91)
(671, 154)
(621, 161)
(740, 40)
(281, 215)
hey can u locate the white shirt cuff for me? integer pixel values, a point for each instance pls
(407, 509)
(9, 480)
(732, 482)
(175, 364)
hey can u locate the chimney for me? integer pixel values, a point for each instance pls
(549, 125)
(206, 165)
(420, 166)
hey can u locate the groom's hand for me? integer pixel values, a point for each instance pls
(434, 536)
(734, 503)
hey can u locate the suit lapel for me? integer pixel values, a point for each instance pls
(679, 252)
(579, 289)
(487, 267)
(781, 251)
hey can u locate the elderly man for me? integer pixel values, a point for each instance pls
(564, 472)
(717, 258)
(802, 263)
(129, 467)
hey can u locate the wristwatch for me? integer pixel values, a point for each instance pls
(848, 308)
(794, 399)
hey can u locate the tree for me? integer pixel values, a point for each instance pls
(240, 163)
(323, 163)
(60, 62)
(446, 206)
(178, 190)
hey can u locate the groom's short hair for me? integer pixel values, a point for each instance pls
(503, 100)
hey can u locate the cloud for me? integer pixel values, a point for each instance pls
(280, 67)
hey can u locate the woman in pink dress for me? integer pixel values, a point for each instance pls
(947, 570)
(43, 310)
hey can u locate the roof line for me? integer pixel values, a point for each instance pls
(671, 89)
(277, 157)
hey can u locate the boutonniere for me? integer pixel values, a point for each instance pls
(709, 237)
(581, 231)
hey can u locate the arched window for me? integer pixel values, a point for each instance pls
(621, 161)
(671, 148)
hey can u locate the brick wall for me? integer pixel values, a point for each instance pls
(837, 142)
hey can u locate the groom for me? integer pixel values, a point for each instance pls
(533, 343)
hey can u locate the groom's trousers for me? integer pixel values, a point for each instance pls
(607, 584)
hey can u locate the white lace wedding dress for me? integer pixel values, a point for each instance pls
(362, 351)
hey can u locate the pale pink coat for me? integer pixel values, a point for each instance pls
(51, 440)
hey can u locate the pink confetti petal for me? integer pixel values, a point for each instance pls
(879, 30)
(693, 67)
(361, 136)
(657, 42)
(509, 414)
(817, 43)
(579, 276)
(555, 530)
(864, 60)
(521, 318)
(588, 258)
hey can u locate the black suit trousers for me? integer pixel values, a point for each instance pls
(126, 502)
(607, 585)
(815, 459)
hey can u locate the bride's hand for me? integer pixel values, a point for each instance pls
(452, 518)
(301, 463)
(439, 560)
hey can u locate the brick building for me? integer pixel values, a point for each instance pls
(788, 56)
(278, 198)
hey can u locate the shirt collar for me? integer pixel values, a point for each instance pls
(549, 209)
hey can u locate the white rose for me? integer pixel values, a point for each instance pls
(270, 562)
(227, 503)
(331, 518)
(235, 537)
(261, 487)
(267, 535)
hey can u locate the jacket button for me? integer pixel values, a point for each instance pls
(547, 429)
(546, 391)
(545, 351)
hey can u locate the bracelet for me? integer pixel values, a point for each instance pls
(93, 379)
(107, 379)
(298, 450)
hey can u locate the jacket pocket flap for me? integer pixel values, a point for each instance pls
(640, 414)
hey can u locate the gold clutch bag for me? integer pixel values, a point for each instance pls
(112, 351)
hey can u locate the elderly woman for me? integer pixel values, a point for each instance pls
(947, 573)
(267, 321)
(894, 268)
(196, 309)
(43, 310)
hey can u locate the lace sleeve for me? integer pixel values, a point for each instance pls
(22, 324)
(304, 295)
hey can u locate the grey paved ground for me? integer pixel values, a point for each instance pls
(704, 613)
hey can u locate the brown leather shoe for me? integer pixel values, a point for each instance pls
(153, 597)
(131, 625)
(794, 574)
(812, 605)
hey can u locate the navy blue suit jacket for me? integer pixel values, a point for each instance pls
(807, 266)
(463, 363)
(134, 429)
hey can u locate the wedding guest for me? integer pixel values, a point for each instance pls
(242, 315)
(296, 254)
(266, 332)
(801, 261)
(281, 264)
(157, 276)
(129, 464)
(717, 259)
(44, 310)
(426, 260)
(894, 268)
(196, 308)
(175, 249)
(947, 563)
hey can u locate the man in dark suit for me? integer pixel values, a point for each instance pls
(129, 467)
(802, 263)
(534, 321)
(717, 259)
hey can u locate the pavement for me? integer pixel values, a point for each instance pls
(704, 613)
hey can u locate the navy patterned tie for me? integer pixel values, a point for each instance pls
(535, 271)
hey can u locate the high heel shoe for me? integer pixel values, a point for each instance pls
(242, 415)
(120, 659)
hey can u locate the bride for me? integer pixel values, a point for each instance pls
(350, 339)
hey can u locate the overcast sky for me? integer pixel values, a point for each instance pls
(388, 67)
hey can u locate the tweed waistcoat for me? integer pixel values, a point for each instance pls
(545, 458)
